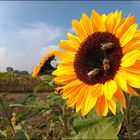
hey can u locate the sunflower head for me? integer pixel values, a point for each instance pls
(44, 67)
(98, 58)
(99, 62)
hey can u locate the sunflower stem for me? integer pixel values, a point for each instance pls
(65, 121)
(128, 122)
(7, 115)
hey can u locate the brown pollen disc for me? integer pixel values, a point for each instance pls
(98, 58)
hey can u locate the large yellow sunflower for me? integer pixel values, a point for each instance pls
(100, 62)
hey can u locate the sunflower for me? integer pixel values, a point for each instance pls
(100, 63)
(43, 66)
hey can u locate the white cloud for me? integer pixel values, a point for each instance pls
(38, 34)
(44, 50)
(7, 58)
(24, 48)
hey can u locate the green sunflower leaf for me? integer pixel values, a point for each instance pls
(23, 101)
(21, 135)
(102, 128)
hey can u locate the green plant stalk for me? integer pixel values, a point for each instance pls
(65, 121)
(127, 121)
(8, 117)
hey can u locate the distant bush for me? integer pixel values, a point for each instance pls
(21, 72)
(18, 72)
(9, 69)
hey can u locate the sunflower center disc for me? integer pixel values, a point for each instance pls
(98, 58)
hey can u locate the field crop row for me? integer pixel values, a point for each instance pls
(10, 82)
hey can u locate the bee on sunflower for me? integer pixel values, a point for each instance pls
(100, 62)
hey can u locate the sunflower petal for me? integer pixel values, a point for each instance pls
(132, 91)
(109, 22)
(65, 79)
(72, 100)
(90, 105)
(80, 102)
(131, 78)
(89, 102)
(134, 68)
(120, 96)
(117, 19)
(132, 45)
(103, 16)
(128, 35)
(79, 29)
(120, 79)
(130, 58)
(74, 82)
(62, 72)
(97, 20)
(68, 45)
(65, 56)
(123, 26)
(97, 90)
(101, 106)
(76, 40)
(110, 87)
(86, 23)
(112, 105)
(66, 92)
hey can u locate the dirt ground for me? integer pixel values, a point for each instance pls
(14, 96)
(11, 97)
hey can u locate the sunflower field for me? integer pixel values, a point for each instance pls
(44, 114)
(92, 93)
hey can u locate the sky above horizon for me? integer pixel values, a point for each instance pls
(30, 29)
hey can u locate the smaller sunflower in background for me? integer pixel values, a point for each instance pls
(100, 62)
(44, 67)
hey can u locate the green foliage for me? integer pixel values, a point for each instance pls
(97, 127)
(47, 82)
(6, 75)
(23, 101)
(51, 109)
(135, 101)
(3, 133)
(48, 117)
(135, 113)
(21, 135)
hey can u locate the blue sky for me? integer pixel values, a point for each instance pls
(29, 29)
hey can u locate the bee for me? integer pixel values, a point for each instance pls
(93, 73)
(106, 65)
(106, 46)
(105, 61)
